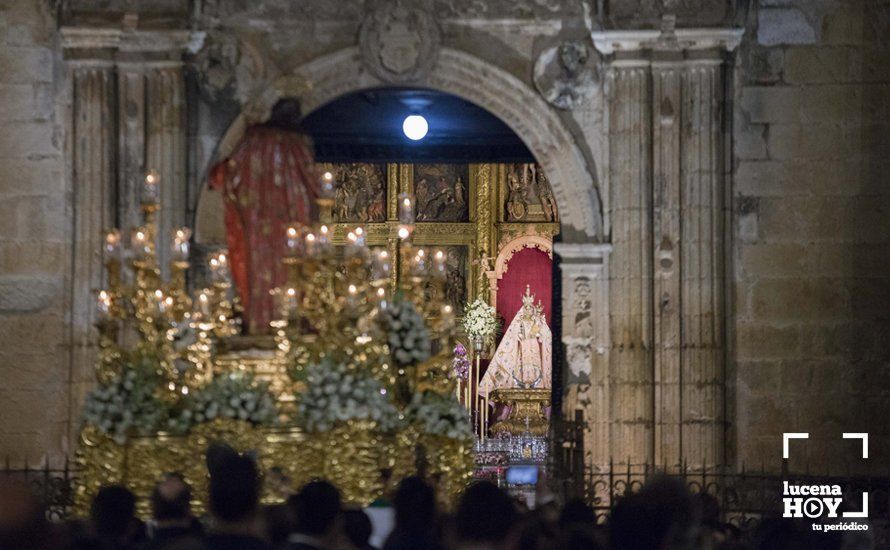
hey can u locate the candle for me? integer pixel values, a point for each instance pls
(406, 208)
(290, 302)
(113, 244)
(404, 232)
(380, 298)
(151, 188)
(219, 267)
(140, 243)
(352, 296)
(439, 265)
(179, 244)
(161, 300)
(448, 315)
(351, 243)
(326, 190)
(484, 417)
(311, 243)
(419, 264)
(294, 242)
(360, 236)
(324, 238)
(203, 303)
(103, 303)
(380, 266)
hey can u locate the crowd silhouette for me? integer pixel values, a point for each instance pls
(663, 515)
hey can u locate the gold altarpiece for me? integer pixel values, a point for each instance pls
(503, 205)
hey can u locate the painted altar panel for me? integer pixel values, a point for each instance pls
(470, 211)
(360, 192)
(442, 192)
(526, 195)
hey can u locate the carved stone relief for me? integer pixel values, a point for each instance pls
(399, 43)
(228, 67)
(567, 75)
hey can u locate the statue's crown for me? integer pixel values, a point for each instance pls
(528, 299)
(528, 302)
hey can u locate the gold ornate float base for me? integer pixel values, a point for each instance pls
(353, 455)
(526, 411)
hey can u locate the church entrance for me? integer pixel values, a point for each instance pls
(481, 202)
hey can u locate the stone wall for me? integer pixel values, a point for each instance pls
(34, 235)
(811, 209)
(807, 238)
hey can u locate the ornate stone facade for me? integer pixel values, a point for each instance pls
(715, 159)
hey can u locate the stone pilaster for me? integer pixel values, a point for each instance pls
(584, 269)
(630, 300)
(702, 265)
(93, 184)
(130, 141)
(165, 149)
(666, 222)
(666, 374)
(128, 115)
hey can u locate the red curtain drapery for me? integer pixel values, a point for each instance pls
(267, 183)
(532, 267)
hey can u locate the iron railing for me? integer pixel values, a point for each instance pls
(53, 485)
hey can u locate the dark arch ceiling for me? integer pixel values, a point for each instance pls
(367, 127)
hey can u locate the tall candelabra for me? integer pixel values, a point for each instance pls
(331, 306)
(140, 311)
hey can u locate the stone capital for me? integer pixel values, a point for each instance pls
(583, 259)
(130, 40)
(610, 42)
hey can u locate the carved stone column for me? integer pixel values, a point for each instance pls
(666, 130)
(130, 141)
(127, 114)
(92, 174)
(702, 361)
(666, 223)
(165, 146)
(584, 270)
(630, 300)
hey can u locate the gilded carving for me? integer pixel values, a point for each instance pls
(529, 196)
(482, 175)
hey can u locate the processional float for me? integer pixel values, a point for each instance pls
(368, 396)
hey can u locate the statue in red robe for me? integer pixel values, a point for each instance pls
(268, 182)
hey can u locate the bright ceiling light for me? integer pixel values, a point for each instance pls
(415, 127)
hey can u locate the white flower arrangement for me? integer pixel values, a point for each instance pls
(127, 405)
(406, 333)
(439, 414)
(334, 394)
(480, 320)
(235, 396)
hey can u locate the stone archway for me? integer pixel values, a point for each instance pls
(330, 76)
(583, 249)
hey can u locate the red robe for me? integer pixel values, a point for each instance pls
(267, 183)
